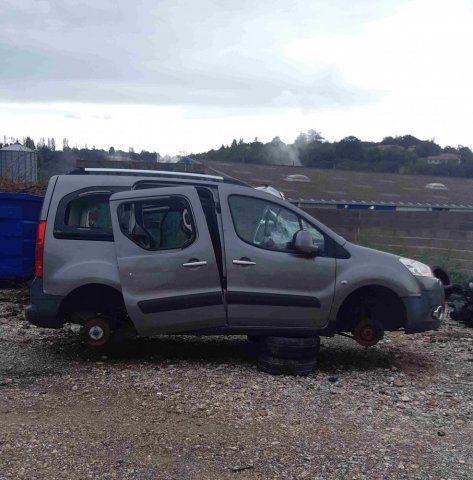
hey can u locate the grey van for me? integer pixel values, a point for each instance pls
(160, 252)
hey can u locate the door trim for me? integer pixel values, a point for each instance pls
(273, 299)
(181, 302)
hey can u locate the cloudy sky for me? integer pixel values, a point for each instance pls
(169, 75)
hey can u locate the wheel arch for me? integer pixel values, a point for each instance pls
(93, 297)
(373, 300)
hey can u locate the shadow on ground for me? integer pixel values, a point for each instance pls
(335, 354)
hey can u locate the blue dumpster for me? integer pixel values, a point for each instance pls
(19, 216)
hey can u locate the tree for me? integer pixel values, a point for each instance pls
(466, 155)
(426, 149)
(52, 144)
(65, 144)
(313, 136)
(350, 148)
(277, 141)
(301, 141)
(29, 143)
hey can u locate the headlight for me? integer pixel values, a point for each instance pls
(416, 268)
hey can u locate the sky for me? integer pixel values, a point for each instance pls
(191, 75)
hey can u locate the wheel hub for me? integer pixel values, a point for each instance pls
(368, 332)
(96, 333)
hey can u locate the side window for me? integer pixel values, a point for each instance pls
(91, 211)
(158, 224)
(264, 224)
(85, 215)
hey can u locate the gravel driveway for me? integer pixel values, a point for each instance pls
(197, 408)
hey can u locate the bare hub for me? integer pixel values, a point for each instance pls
(97, 332)
(368, 332)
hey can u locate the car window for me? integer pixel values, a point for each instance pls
(268, 225)
(264, 224)
(85, 215)
(91, 211)
(158, 224)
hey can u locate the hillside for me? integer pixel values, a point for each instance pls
(351, 186)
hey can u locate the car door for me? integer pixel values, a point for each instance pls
(167, 265)
(269, 284)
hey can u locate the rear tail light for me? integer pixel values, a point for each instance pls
(38, 264)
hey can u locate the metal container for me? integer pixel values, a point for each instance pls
(19, 215)
(18, 163)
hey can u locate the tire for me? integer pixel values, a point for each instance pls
(292, 348)
(281, 366)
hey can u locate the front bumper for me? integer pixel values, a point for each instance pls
(44, 310)
(425, 311)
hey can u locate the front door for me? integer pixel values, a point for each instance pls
(168, 270)
(269, 284)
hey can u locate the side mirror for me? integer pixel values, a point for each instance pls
(303, 243)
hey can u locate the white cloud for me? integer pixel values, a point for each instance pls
(175, 72)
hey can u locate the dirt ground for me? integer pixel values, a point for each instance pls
(197, 408)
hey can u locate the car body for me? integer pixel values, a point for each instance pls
(198, 254)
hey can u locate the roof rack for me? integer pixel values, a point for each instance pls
(156, 173)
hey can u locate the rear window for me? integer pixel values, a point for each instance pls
(92, 211)
(85, 215)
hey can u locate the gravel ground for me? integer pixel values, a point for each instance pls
(197, 408)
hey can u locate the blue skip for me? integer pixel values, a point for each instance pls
(19, 216)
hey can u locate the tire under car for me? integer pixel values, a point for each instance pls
(288, 355)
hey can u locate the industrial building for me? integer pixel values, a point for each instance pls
(19, 163)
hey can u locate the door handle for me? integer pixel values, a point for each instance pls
(243, 262)
(195, 264)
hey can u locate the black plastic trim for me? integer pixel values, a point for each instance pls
(273, 299)
(94, 237)
(181, 302)
(44, 309)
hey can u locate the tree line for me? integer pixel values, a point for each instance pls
(399, 154)
(53, 161)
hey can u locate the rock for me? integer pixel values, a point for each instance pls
(405, 398)
(242, 467)
(332, 379)
(441, 433)
(398, 382)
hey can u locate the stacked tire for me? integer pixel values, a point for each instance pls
(289, 355)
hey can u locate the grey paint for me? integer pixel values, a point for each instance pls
(160, 275)
(148, 276)
(274, 273)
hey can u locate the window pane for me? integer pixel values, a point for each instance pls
(158, 224)
(88, 212)
(264, 224)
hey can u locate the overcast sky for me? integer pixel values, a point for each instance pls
(192, 74)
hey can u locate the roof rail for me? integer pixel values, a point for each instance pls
(156, 173)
